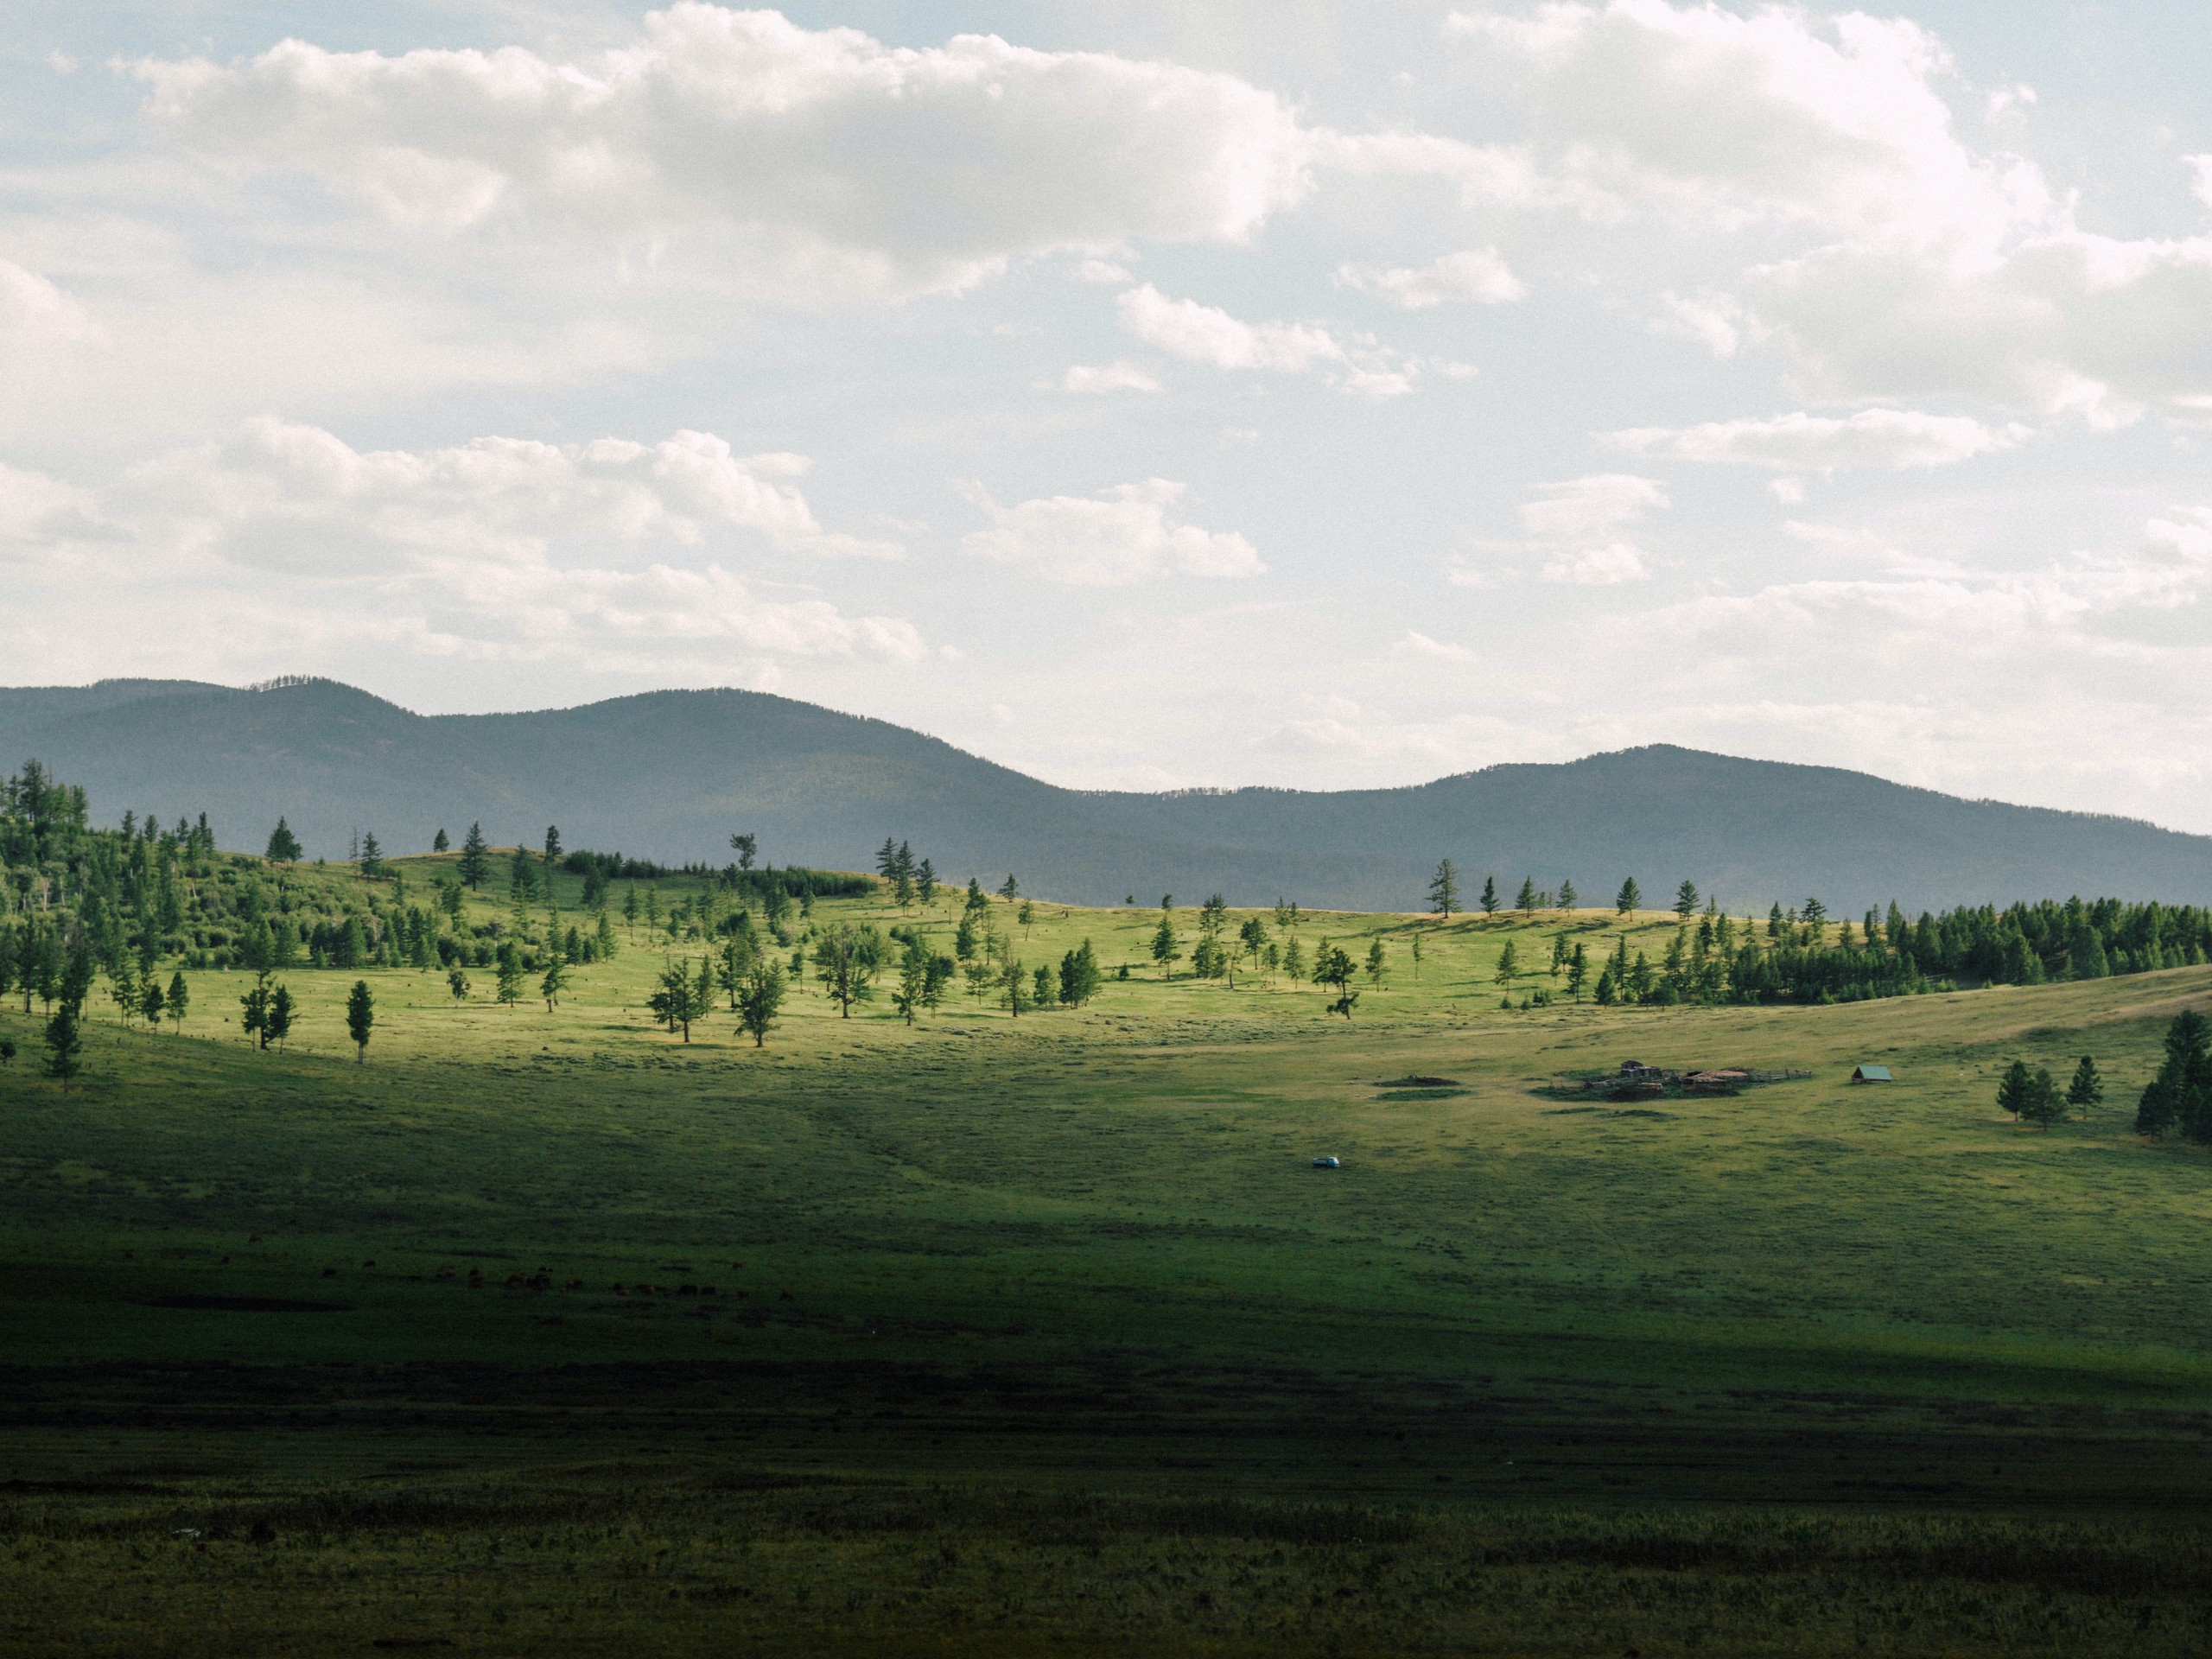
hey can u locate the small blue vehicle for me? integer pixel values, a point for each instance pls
(1327, 1163)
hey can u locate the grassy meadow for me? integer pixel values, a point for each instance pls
(548, 1333)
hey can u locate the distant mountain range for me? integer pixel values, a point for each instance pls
(670, 775)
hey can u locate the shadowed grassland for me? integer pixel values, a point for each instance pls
(1041, 1335)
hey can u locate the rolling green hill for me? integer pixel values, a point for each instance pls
(671, 775)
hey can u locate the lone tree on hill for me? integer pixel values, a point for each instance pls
(1166, 948)
(283, 845)
(1629, 898)
(1686, 900)
(1525, 901)
(1009, 889)
(475, 858)
(1443, 893)
(440, 842)
(552, 845)
(2088, 1088)
(1333, 967)
(361, 1016)
(1489, 895)
(372, 857)
(1567, 895)
(179, 998)
(64, 1046)
(747, 848)
(278, 1026)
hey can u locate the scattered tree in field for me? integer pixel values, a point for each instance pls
(1166, 947)
(1377, 962)
(2043, 1104)
(2181, 1093)
(1525, 900)
(1509, 964)
(1443, 893)
(1293, 960)
(253, 1012)
(1025, 916)
(1334, 967)
(1629, 898)
(281, 1011)
(2087, 1088)
(843, 968)
(747, 848)
(675, 1000)
(1489, 895)
(360, 1017)
(508, 991)
(1079, 976)
(64, 1046)
(1045, 986)
(178, 1000)
(457, 984)
(1417, 933)
(760, 999)
(474, 864)
(1014, 985)
(283, 845)
(2016, 1087)
(555, 981)
(440, 842)
(925, 881)
(1567, 895)
(1009, 889)
(552, 852)
(1578, 970)
(371, 856)
(1815, 914)
(913, 981)
(150, 1000)
(1686, 900)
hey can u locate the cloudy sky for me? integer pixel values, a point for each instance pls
(1142, 394)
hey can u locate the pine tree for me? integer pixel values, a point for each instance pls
(283, 845)
(1166, 948)
(925, 881)
(282, 1009)
(457, 984)
(1489, 895)
(179, 998)
(360, 1016)
(440, 842)
(1079, 976)
(2015, 1088)
(1578, 970)
(761, 999)
(1525, 901)
(1630, 900)
(747, 848)
(2088, 1089)
(1376, 964)
(1686, 900)
(1443, 894)
(913, 980)
(1509, 964)
(475, 863)
(1010, 889)
(1567, 895)
(508, 991)
(2181, 1093)
(64, 1046)
(554, 982)
(2042, 1105)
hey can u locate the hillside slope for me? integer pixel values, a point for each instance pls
(670, 774)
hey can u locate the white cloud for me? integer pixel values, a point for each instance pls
(823, 159)
(501, 548)
(1120, 536)
(299, 498)
(1584, 506)
(33, 313)
(1598, 567)
(1111, 377)
(1800, 442)
(1477, 277)
(1417, 644)
(1205, 333)
(1575, 525)
(2201, 166)
(1101, 271)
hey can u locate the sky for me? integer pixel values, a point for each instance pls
(1142, 394)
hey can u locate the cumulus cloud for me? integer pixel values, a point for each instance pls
(1923, 267)
(823, 154)
(1477, 277)
(1110, 377)
(501, 547)
(1800, 442)
(35, 313)
(1120, 535)
(1576, 526)
(1207, 334)
(298, 496)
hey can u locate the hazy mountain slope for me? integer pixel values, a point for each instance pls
(671, 775)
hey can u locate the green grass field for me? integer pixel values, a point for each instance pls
(1042, 1335)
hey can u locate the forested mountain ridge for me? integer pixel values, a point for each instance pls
(671, 775)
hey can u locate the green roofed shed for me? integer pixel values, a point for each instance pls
(1870, 1074)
